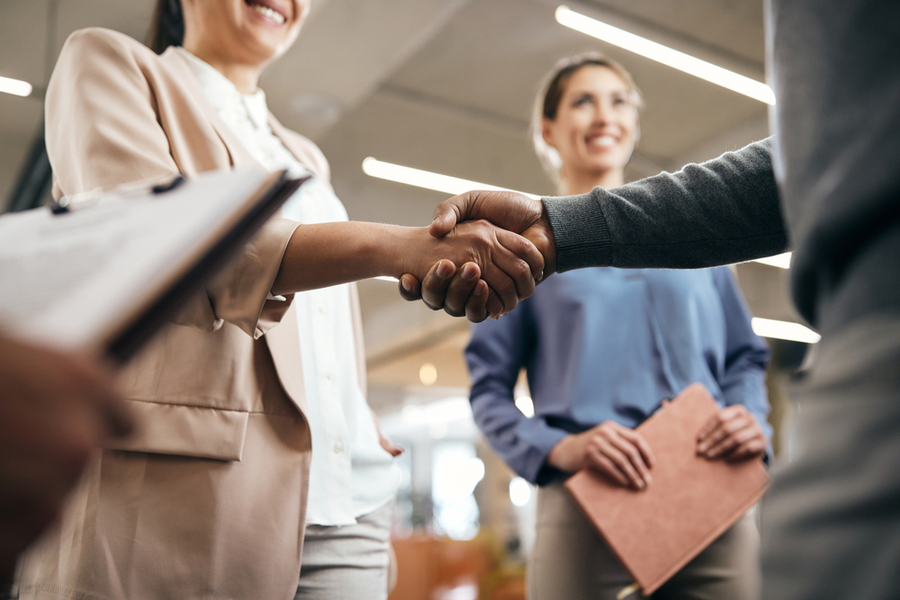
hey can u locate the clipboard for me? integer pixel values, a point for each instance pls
(691, 502)
(98, 273)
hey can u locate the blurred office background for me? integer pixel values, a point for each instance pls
(445, 86)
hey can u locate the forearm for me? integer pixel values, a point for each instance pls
(327, 254)
(718, 212)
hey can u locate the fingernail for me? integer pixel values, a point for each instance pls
(405, 284)
(648, 479)
(444, 270)
(702, 448)
(540, 276)
(469, 272)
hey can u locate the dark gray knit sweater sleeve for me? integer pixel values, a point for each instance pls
(719, 212)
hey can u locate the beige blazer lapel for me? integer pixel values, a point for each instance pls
(283, 340)
(182, 70)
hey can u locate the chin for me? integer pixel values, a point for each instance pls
(264, 48)
(603, 167)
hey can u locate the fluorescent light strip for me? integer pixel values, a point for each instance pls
(15, 87)
(665, 55)
(783, 330)
(782, 261)
(427, 179)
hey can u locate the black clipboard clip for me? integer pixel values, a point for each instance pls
(162, 188)
(74, 202)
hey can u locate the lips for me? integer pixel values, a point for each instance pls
(268, 9)
(602, 141)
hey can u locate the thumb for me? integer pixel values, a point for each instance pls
(450, 212)
(443, 224)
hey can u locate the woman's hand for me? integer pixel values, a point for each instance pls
(612, 449)
(386, 443)
(508, 263)
(733, 434)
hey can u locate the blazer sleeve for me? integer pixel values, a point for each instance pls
(104, 128)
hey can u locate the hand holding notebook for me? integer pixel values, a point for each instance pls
(692, 500)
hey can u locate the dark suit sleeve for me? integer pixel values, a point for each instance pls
(719, 212)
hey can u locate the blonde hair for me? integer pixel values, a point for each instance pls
(550, 94)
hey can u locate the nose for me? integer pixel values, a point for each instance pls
(603, 112)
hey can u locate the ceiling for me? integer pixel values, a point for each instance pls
(447, 86)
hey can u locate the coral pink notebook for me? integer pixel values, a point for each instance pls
(689, 504)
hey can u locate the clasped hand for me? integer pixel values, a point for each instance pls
(469, 288)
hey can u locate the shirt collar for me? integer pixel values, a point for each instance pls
(224, 96)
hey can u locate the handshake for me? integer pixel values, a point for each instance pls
(497, 246)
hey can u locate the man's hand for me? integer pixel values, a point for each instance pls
(619, 453)
(509, 210)
(450, 289)
(54, 411)
(733, 434)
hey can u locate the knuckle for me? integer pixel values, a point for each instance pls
(454, 312)
(428, 302)
(521, 270)
(505, 288)
(732, 426)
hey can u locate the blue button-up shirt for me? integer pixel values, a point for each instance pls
(610, 344)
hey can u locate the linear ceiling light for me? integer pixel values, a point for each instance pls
(783, 330)
(782, 261)
(15, 87)
(427, 179)
(665, 55)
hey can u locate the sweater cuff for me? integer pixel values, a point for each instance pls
(581, 232)
(542, 441)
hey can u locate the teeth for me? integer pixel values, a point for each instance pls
(268, 12)
(604, 141)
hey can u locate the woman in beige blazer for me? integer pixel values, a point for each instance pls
(207, 500)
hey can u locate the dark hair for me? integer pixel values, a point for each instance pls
(167, 28)
(550, 94)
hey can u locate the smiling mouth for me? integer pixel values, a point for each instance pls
(267, 11)
(602, 141)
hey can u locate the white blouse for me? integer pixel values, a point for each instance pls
(351, 474)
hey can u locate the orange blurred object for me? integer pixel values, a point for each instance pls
(431, 568)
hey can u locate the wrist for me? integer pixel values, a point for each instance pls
(562, 456)
(392, 247)
(541, 235)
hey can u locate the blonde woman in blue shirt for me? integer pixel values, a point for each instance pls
(602, 348)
